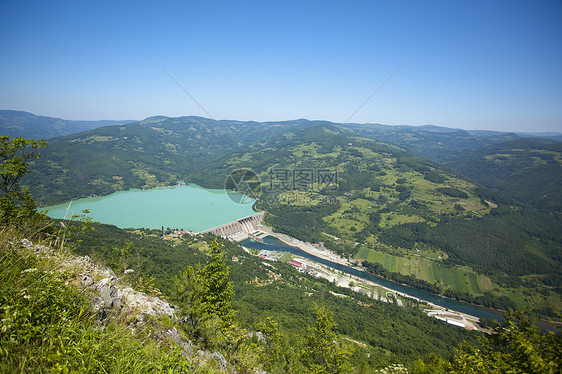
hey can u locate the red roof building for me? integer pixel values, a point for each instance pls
(296, 263)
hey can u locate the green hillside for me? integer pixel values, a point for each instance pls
(289, 300)
(409, 211)
(324, 183)
(430, 142)
(234, 312)
(528, 170)
(158, 151)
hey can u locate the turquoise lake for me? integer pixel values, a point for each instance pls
(187, 207)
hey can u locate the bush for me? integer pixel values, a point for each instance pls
(453, 192)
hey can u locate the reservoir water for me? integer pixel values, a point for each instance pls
(187, 207)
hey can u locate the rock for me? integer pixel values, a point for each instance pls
(87, 280)
(109, 293)
(173, 333)
(146, 304)
(43, 249)
(107, 281)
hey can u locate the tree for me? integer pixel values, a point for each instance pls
(216, 289)
(188, 297)
(273, 360)
(16, 203)
(322, 353)
(516, 346)
(204, 295)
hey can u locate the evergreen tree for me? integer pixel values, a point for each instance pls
(216, 289)
(322, 353)
(188, 298)
(204, 295)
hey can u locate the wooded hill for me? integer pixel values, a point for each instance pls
(411, 212)
(528, 170)
(158, 151)
(16, 123)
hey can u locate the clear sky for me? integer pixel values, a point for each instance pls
(473, 64)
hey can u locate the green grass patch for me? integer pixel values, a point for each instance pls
(375, 256)
(436, 270)
(474, 283)
(390, 263)
(363, 253)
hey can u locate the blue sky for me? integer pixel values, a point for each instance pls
(473, 64)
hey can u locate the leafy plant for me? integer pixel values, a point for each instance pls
(16, 204)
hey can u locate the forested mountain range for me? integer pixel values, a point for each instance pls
(28, 125)
(431, 142)
(410, 219)
(388, 201)
(528, 170)
(155, 152)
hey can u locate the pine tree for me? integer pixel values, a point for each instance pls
(204, 295)
(216, 289)
(322, 353)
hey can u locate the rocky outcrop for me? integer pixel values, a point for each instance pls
(109, 293)
(113, 297)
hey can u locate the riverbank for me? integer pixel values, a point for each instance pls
(468, 320)
(317, 250)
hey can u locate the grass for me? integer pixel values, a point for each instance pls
(458, 278)
(354, 210)
(474, 283)
(363, 253)
(48, 324)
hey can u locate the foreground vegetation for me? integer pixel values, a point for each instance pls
(49, 325)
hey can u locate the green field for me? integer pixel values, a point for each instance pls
(459, 278)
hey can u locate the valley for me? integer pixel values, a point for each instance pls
(394, 244)
(366, 187)
(408, 219)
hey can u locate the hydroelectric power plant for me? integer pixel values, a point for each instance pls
(241, 229)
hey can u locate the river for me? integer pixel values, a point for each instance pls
(273, 244)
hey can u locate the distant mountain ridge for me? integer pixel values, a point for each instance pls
(21, 123)
(17, 123)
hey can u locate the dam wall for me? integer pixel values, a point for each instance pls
(241, 227)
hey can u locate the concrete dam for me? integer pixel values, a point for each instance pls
(238, 230)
